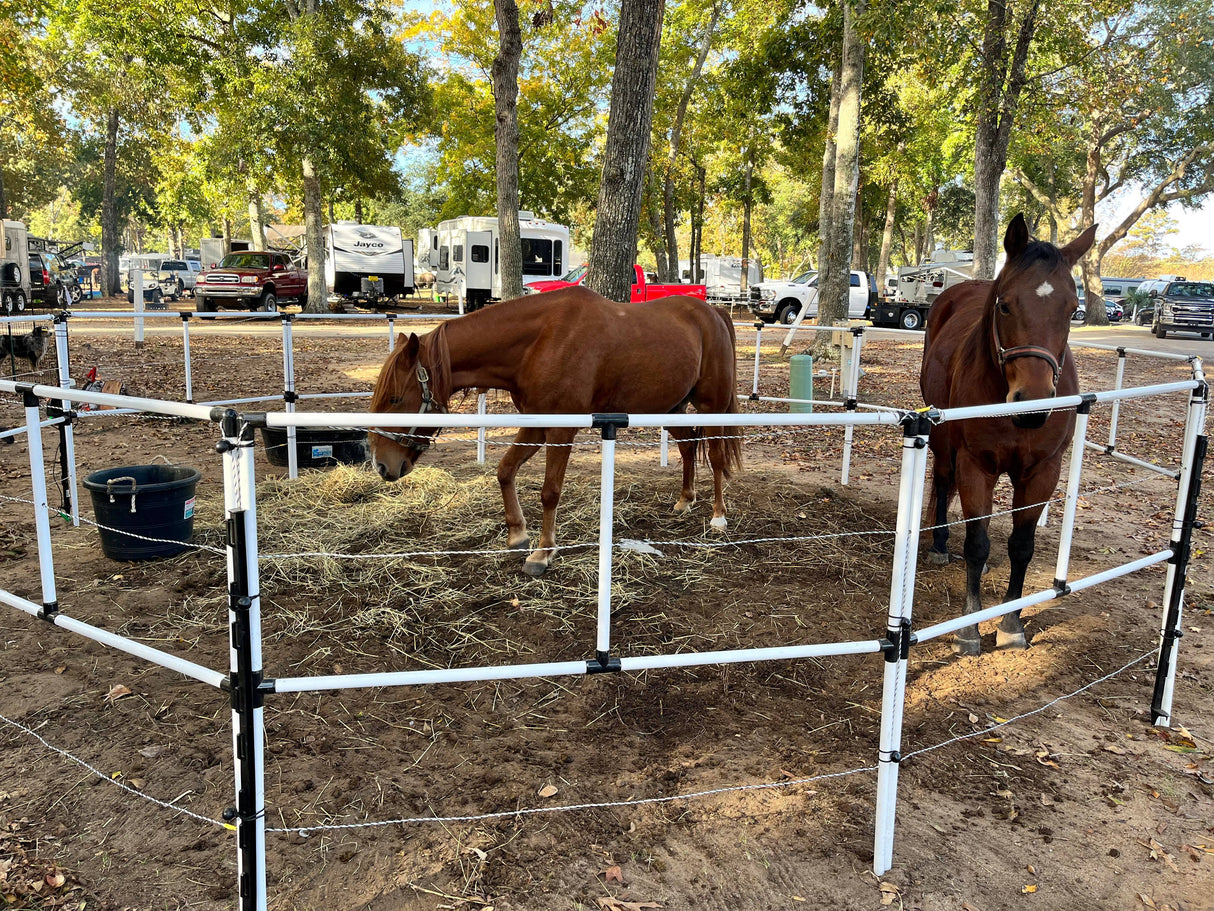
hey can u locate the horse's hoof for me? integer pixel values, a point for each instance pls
(535, 568)
(718, 522)
(1010, 640)
(938, 558)
(963, 647)
(683, 507)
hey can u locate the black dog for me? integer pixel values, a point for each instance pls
(29, 348)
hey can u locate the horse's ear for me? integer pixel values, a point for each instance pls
(1073, 252)
(411, 344)
(1016, 238)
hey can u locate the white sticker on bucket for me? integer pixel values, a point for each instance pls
(189, 508)
(322, 452)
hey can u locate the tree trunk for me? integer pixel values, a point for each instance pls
(505, 132)
(1093, 288)
(671, 273)
(834, 278)
(998, 97)
(111, 280)
(613, 249)
(3, 198)
(746, 207)
(825, 202)
(652, 205)
(358, 211)
(887, 237)
(227, 235)
(256, 228)
(857, 248)
(314, 235)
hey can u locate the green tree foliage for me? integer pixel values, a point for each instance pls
(565, 71)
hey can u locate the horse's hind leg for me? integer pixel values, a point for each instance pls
(717, 458)
(687, 454)
(526, 442)
(556, 460)
(943, 488)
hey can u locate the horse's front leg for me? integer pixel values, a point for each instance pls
(687, 455)
(556, 460)
(977, 495)
(1028, 498)
(526, 442)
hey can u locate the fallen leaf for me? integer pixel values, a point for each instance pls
(151, 752)
(548, 790)
(1047, 800)
(55, 880)
(1029, 888)
(614, 874)
(973, 718)
(1146, 900)
(966, 906)
(1032, 870)
(1113, 748)
(117, 691)
(615, 904)
(888, 893)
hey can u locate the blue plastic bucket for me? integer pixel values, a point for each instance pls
(152, 501)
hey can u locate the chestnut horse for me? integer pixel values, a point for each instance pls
(567, 352)
(997, 341)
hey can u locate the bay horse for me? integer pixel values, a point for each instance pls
(569, 351)
(990, 342)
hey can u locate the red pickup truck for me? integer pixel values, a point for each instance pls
(251, 280)
(642, 288)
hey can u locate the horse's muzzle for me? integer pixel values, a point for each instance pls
(387, 475)
(1034, 420)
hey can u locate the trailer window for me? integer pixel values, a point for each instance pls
(558, 263)
(479, 253)
(855, 280)
(444, 258)
(538, 257)
(457, 253)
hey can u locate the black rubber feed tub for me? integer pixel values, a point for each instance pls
(151, 501)
(316, 447)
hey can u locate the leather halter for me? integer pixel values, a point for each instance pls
(411, 438)
(1010, 354)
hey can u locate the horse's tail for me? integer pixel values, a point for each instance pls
(732, 435)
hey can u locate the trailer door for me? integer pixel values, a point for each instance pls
(478, 264)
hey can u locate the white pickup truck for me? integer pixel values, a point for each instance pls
(780, 302)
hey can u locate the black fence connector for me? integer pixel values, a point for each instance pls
(603, 663)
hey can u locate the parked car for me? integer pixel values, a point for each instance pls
(251, 280)
(1184, 306)
(49, 281)
(157, 285)
(644, 285)
(1112, 309)
(185, 275)
(780, 302)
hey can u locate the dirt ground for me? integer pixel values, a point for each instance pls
(1081, 805)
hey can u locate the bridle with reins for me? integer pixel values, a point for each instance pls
(411, 438)
(1010, 354)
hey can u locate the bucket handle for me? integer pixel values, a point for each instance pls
(109, 488)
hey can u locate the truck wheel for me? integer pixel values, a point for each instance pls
(10, 302)
(204, 304)
(303, 301)
(19, 301)
(911, 319)
(268, 302)
(1160, 332)
(787, 313)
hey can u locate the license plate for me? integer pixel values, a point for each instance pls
(372, 278)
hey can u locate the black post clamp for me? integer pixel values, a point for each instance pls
(290, 396)
(894, 756)
(896, 644)
(1061, 587)
(48, 611)
(608, 423)
(286, 317)
(754, 397)
(760, 325)
(603, 663)
(1088, 399)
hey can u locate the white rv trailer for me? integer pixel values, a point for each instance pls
(463, 255)
(722, 277)
(367, 262)
(14, 269)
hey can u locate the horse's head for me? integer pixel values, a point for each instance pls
(1032, 300)
(415, 379)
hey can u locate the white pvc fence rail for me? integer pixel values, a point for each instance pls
(249, 686)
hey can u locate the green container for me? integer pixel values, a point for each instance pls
(801, 382)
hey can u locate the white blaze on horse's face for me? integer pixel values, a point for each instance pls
(1045, 289)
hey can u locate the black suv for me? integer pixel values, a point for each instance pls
(1184, 307)
(49, 279)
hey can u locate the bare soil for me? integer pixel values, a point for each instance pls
(1081, 805)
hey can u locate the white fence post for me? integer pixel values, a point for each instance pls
(851, 395)
(915, 429)
(247, 681)
(1073, 478)
(754, 388)
(288, 391)
(1121, 353)
(42, 513)
(1184, 517)
(608, 424)
(67, 434)
(481, 408)
(185, 345)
